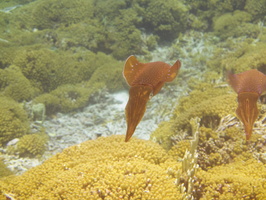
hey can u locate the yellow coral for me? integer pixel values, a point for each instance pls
(239, 180)
(106, 168)
(178, 150)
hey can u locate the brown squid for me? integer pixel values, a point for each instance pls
(145, 81)
(249, 86)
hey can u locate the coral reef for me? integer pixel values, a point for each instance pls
(210, 111)
(218, 148)
(61, 53)
(165, 18)
(202, 12)
(235, 24)
(67, 98)
(246, 57)
(239, 180)
(98, 25)
(52, 14)
(30, 145)
(65, 67)
(44, 75)
(14, 120)
(240, 54)
(257, 9)
(179, 149)
(103, 168)
(15, 85)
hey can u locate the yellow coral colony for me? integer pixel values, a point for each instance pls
(106, 168)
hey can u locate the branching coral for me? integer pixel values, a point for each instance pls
(227, 146)
(104, 168)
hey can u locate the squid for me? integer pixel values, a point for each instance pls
(249, 86)
(145, 81)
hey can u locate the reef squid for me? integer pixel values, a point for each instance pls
(145, 81)
(249, 86)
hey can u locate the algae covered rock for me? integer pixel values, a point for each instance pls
(103, 168)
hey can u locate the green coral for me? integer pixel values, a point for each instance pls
(14, 120)
(67, 98)
(252, 57)
(32, 144)
(109, 73)
(66, 68)
(39, 68)
(257, 8)
(235, 24)
(165, 18)
(72, 96)
(102, 72)
(47, 69)
(203, 12)
(245, 56)
(15, 85)
(105, 168)
(53, 14)
(129, 41)
(239, 180)
(7, 54)
(114, 27)
(51, 102)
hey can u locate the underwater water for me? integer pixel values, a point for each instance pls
(70, 88)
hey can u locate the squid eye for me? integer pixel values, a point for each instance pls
(151, 95)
